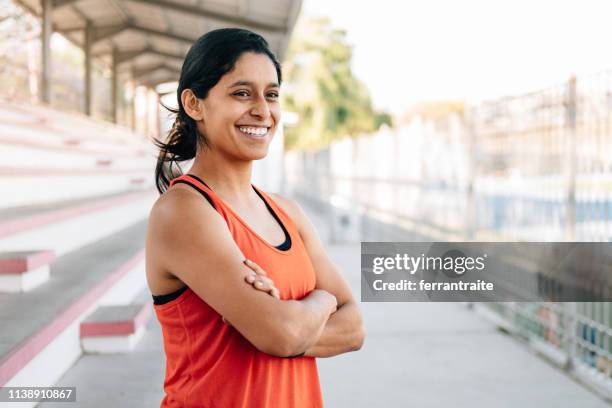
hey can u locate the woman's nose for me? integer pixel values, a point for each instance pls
(260, 108)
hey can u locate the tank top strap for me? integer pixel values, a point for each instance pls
(203, 188)
(285, 218)
(194, 180)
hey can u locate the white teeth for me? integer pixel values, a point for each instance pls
(254, 131)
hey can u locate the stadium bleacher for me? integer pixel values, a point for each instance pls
(72, 234)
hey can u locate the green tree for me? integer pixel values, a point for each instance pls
(330, 101)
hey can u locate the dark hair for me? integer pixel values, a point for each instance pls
(213, 55)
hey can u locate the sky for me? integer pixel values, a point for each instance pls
(408, 51)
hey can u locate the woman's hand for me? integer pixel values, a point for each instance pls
(260, 281)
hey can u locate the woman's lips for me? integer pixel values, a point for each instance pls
(257, 132)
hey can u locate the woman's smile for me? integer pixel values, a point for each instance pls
(254, 132)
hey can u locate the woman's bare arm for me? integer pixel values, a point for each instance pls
(193, 242)
(343, 331)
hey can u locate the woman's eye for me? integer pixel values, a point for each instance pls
(272, 95)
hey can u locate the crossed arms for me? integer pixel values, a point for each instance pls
(190, 236)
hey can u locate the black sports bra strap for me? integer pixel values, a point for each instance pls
(286, 245)
(161, 299)
(204, 193)
(199, 179)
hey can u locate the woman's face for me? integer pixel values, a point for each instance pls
(240, 114)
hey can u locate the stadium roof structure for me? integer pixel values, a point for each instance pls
(150, 38)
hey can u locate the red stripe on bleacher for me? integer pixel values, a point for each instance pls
(25, 263)
(23, 353)
(107, 329)
(39, 220)
(117, 328)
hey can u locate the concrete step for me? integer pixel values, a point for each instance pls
(24, 270)
(114, 329)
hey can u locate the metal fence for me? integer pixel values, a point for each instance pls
(535, 167)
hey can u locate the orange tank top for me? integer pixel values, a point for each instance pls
(210, 364)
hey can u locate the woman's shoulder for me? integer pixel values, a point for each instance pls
(287, 204)
(170, 199)
(291, 208)
(179, 204)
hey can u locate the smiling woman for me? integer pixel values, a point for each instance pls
(238, 333)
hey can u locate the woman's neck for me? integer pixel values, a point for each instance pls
(230, 180)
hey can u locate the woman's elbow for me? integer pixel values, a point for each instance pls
(283, 342)
(358, 338)
(278, 349)
(359, 333)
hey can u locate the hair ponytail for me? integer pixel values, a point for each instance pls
(213, 55)
(182, 145)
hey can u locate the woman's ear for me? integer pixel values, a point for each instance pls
(192, 104)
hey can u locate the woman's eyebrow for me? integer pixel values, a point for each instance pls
(249, 83)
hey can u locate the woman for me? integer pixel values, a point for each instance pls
(245, 294)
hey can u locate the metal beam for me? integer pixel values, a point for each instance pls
(151, 31)
(128, 55)
(226, 18)
(70, 29)
(138, 73)
(104, 32)
(146, 71)
(99, 33)
(88, 66)
(45, 72)
(133, 104)
(120, 6)
(114, 85)
(78, 12)
(154, 83)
